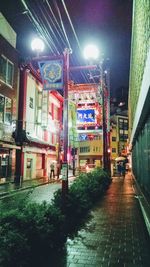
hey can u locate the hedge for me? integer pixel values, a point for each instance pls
(30, 234)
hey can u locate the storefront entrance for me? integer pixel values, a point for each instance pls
(4, 165)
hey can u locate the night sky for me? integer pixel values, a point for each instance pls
(107, 23)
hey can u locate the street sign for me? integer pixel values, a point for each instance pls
(64, 171)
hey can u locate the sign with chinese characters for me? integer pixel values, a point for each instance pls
(44, 109)
(64, 171)
(85, 116)
(52, 74)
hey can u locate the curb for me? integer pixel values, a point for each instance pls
(11, 192)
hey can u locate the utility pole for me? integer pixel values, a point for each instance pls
(65, 124)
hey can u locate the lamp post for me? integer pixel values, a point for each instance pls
(91, 52)
(65, 124)
(38, 46)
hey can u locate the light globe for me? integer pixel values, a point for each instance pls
(37, 45)
(91, 52)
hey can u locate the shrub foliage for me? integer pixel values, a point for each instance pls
(31, 233)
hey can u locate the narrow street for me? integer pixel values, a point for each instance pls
(44, 193)
(37, 194)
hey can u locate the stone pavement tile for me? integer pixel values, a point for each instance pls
(115, 235)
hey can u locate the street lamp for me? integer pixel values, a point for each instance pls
(91, 52)
(38, 45)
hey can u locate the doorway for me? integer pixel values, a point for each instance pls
(29, 165)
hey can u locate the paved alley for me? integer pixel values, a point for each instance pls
(115, 235)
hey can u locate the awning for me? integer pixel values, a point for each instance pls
(40, 142)
(11, 146)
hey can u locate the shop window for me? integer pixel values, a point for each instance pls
(5, 110)
(6, 70)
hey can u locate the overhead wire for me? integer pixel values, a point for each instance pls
(68, 16)
(72, 27)
(46, 26)
(55, 19)
(54, 25)
(76, 37)
(62, 24)
(36, 24)
(44, 29)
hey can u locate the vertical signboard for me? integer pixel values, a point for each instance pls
(64, 171)
(44, 108)
(52, 74)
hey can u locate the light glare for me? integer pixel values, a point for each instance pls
(37, 45)
(91, 52)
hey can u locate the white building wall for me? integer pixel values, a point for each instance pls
(7, 31)
(30, 105)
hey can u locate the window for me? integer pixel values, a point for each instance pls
(85, 149)
(121, 123)
(31, 102)
(6, 70)
(8, 111)
(123, 129)
(2, 105)
(5, 109)
(113, 139)
(55, 112)
(125, 125)
(113, 150)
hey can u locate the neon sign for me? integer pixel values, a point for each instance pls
(86, 116)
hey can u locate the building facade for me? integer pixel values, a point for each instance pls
(87, 98)
(38, 127)
(118, 137)
(139, 94)
(9, 80)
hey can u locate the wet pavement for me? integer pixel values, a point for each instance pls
(9, 188)
(116, 234)
(44, 193)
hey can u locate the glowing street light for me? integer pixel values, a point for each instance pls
(37, 45)
(91, 52)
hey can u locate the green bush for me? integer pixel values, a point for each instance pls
(83, 193)
(31, 233)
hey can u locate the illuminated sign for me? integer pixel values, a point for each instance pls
(52, 74)
(85, 116)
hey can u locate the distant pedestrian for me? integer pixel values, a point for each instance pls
(123, 169)
(119, 168)
(52, 173)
